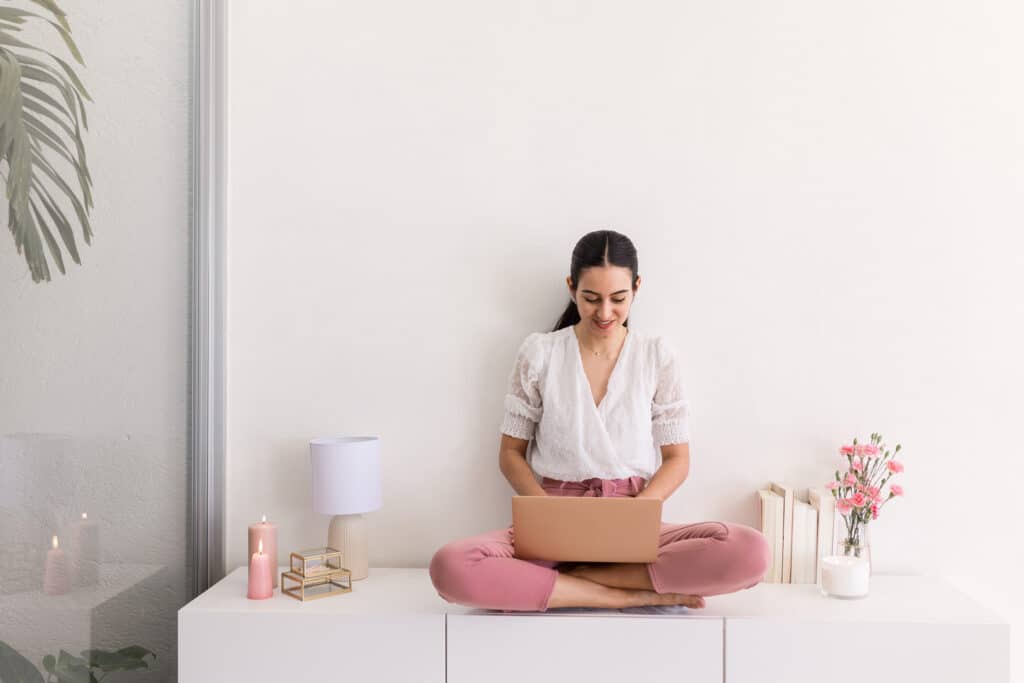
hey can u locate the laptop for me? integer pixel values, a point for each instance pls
(586, 529)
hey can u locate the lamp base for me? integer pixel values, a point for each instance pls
(347, 533)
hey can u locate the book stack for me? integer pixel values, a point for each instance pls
(800, 526)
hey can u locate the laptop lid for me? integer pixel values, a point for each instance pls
(586, 529)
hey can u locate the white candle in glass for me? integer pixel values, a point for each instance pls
(844, 577)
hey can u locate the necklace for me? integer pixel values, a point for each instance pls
(606, 354)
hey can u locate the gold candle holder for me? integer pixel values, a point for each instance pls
(316, 573)
(315, 561)
(315, 587)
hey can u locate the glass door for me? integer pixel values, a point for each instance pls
(95, 100)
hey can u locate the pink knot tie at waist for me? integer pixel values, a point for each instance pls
(596, 487)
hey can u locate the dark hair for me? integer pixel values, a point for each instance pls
(598, 248)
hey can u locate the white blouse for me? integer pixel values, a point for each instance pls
(550, 403)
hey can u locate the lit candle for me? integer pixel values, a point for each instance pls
(260, 587)
(56, 576)
(86, 552)
(266, 532)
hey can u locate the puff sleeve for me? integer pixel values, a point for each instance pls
(523, 400)
(669, 408)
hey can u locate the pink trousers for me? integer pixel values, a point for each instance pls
(704, 558)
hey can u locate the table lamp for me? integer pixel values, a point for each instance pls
(347, 483)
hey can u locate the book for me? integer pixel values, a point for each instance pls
(798, 553)
(825, 503)
(771, 527)
(811, 543)
(805, 538)
(786, 492)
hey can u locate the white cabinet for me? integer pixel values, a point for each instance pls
(909, 628)
(389, 628)
(597, 648)
(394, 627)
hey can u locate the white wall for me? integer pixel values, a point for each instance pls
(93, 365)
(826, 199)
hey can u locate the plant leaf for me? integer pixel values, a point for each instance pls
(66, 36)
(40, 133)
(55, 10)
(51, 243)
(113, 661)
(13, 15)
(136, 651)
(14, 668)
(44, 165)
(63, 226)
(35, 126)
(71, 669)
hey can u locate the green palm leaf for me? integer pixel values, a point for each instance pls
(42, 115)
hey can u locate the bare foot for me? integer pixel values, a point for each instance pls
(640, 596)
(573, 591)
(644, 598)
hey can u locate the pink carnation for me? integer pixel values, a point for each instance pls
(832, 485)
(859, 500)
(874, 511)
(894, 466)
(896, 489)
(870, 449)
(850, 479)
(857, 466)
(872, 491)
(846, 450)
(844, 506)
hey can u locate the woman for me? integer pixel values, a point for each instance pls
(587, 406)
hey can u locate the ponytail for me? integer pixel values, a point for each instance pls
(570, 316)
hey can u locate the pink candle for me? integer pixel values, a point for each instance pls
(260, 586)
(86, 552)
(56, 578)
(266, 532)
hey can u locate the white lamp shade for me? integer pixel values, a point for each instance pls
(346, 474)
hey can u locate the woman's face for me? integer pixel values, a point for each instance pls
(604, 295)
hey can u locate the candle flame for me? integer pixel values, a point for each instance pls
(260, 551)
(264, 519)
(54, 542)
(85, 516)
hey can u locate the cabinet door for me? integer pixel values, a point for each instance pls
(781, 651)
(276, 647)
(597, 648)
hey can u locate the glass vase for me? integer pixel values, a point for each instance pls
(847, 574)
(857, 544)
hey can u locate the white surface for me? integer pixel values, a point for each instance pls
(385, 591)
(900, 599)
(114, 579)
(827, 201)
(903, 623)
